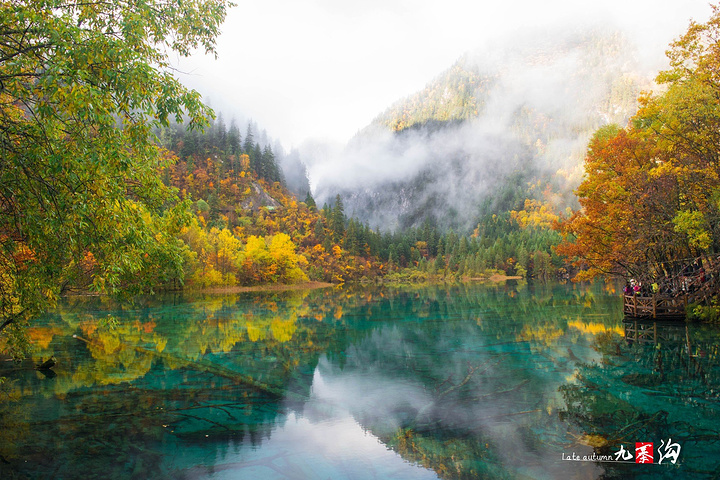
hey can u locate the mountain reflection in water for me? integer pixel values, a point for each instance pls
(462, 381)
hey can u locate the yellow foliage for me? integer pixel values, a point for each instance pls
(594, 328)
(535, 214)
(542, 334)
(595, 441)
(207, 277)
(245, 162)
(282, 330)
(42, 336)
(254, 332)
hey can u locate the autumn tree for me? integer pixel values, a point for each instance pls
(81, 86)
(650, 193)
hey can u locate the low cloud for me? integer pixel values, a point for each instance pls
(540, 96)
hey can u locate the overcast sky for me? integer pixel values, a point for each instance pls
(323, 69)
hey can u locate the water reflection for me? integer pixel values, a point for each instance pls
(452, 382)
(655, 382)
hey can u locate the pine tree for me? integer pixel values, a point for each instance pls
(337, 219)
(233, 139)
(249, 142)
(310, 201)
(319, 231)
(219, 131)
(269, 167)
(255, 160)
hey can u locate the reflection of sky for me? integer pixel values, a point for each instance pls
(392, 378)
(331, 445)
(335, 435)
(381, 384)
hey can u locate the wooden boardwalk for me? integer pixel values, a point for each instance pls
(655, 306)
(676, 294)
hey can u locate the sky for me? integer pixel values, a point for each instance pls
(321, 70)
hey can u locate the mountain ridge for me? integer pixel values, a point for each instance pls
(526, 109)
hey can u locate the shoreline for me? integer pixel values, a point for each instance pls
(495, 278)
(272, 287)
(315, 285)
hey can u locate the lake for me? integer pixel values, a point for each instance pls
(463, 381)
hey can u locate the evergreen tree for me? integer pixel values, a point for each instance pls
(337, 219)
(440, 250)
(249, 143)
(233, 138)
(268, 166)
(310, 201)
(190, 144)
(219, 132)
(319, 231)
(352, 243)
(255, 160)
(439, 265)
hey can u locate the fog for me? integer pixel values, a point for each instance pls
(316, 73)
(322, 70)
(539, 97)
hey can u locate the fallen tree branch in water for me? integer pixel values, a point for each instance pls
(501, 392)
(512, 414)
(471, 371)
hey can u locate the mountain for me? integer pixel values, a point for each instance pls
(457, 94)
(505, 123)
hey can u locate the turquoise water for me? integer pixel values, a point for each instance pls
(470, 381)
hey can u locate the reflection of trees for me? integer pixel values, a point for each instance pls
(138, 379)
(148, 379)
(456, 373)
(655, 382)
(117, 432)
(121, 345)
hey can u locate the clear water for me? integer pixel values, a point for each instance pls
(468, 381)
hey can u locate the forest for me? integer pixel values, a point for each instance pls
(102, 192)
(650, 195)
(243, 216)
(116, 179)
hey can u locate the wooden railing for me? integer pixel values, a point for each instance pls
(655, 306)
(665, 305)
(676, 293)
